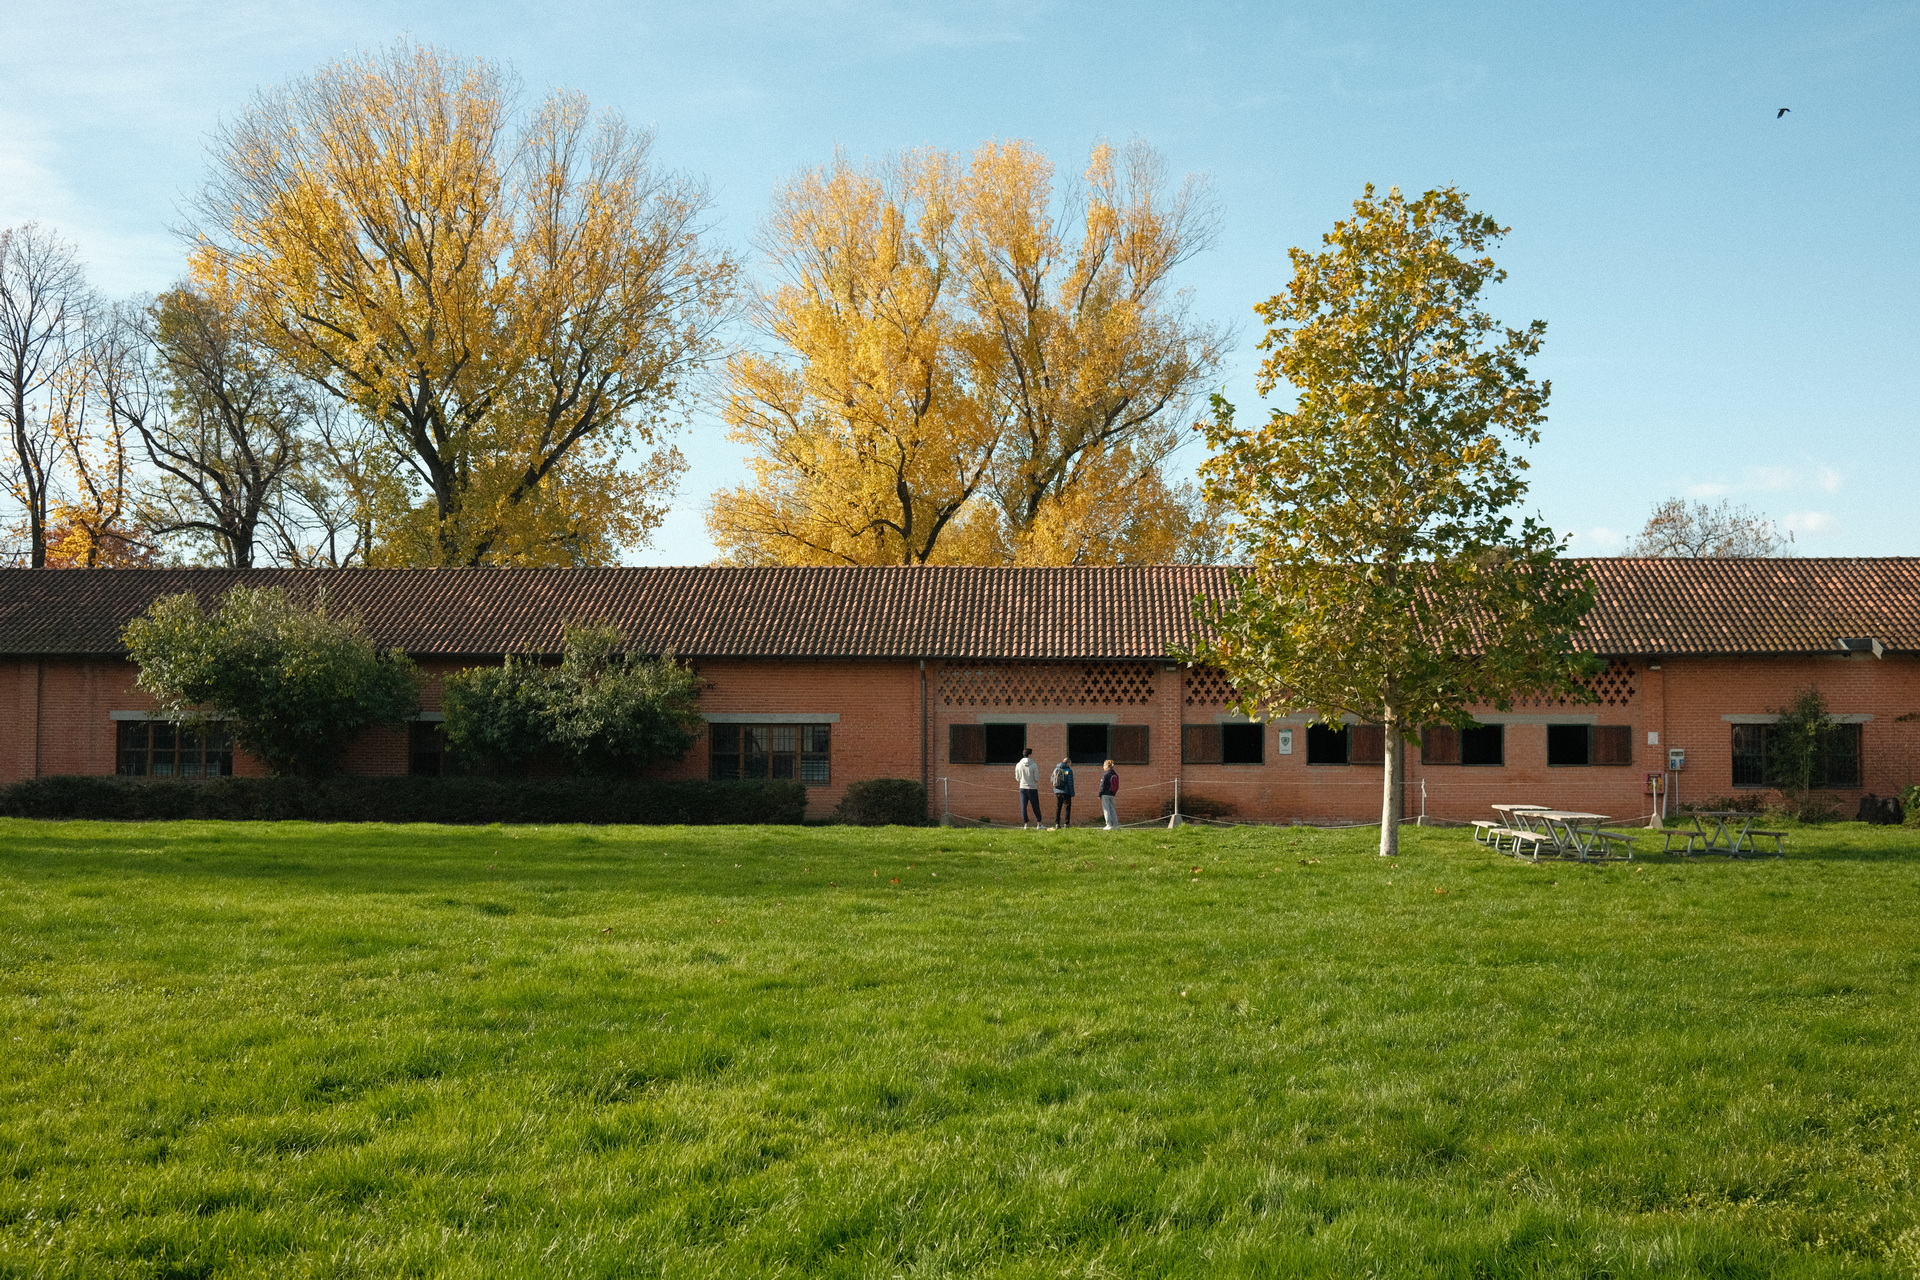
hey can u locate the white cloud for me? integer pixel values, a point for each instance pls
(1828, 479)
(1709, 490)
(1811, 522)
(1598, 538)
(1771, 479)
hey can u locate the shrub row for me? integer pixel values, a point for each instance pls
(450, 800)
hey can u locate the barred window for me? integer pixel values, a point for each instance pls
(163, 749)
(793, 751)
(428, 755)
(1836, 768)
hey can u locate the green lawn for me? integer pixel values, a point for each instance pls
(299, 1050)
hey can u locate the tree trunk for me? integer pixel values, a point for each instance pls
(1396, 761)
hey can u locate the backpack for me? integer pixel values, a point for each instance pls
(1060, 777)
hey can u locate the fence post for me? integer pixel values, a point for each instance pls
(1174, 819)
(946, 803)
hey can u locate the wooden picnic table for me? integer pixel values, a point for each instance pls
(1713, 831)
(1572, 829)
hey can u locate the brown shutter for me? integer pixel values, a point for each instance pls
(1440, 745)
(967, 743)
(1128, 742)
(1367, 745)
(1200, 744)
(1613, 744)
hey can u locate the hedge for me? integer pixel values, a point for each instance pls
(406, 799)
(883, 802)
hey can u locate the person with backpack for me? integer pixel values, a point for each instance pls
(1109, 793)
(1026, 776)
(1063, 794)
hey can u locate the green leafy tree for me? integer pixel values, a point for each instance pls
(1796, 749)
(1385, 579)
(603, 709)
(497, 716)
(294, 685)
(612, 710)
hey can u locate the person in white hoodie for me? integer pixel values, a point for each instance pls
(1026, 776)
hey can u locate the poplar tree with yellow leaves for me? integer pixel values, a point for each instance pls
(968, 369)
(1386, 579)
(516, 301)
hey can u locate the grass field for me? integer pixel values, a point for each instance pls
(298, 1050)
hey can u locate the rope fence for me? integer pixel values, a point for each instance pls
(1480, 792)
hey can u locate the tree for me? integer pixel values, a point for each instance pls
(1385, 580)
(45, 310)
(603, 709)
(220, 420)
(970, 374)
(515, 302)
(295, 685)
(1679, 528)
(91, 523)
(1796, 748)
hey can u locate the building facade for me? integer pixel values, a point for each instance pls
(944, 675)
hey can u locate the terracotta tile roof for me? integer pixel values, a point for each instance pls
(1645, 607)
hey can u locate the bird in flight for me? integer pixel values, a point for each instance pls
(1782, 111)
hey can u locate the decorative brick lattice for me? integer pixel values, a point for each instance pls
(1613, 687)
(1047, 684)
(1208, 687)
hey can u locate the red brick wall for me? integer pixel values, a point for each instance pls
(56, 720)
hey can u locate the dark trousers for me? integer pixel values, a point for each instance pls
(1030, 798)
(1062, 810)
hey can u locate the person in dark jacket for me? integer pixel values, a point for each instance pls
(1063, 794)
(1109, 791)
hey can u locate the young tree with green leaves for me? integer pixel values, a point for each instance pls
(294, 685)
(1796, 748)
(1385, 578)
(603, 709)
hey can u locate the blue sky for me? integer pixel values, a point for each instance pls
(1730, 296)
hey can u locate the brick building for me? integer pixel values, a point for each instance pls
(834, 675)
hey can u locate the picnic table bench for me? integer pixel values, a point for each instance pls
(1712, 832)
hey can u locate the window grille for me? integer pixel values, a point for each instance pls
(162, 749)
(1208, 687)
(1614, 686)
(796, 751)
(1054, 684)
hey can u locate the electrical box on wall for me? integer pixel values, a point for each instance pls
(1676, 758)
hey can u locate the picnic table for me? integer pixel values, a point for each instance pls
(1534, 828)
(1728, 831)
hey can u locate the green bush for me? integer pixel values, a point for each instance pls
(603, 709)
(883, 802)
(406, 799)
(295, 685)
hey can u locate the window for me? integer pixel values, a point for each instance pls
(428, 755)
(1223, 744)
(797, 751)
(1087, 743)
(1004, 742)
(1477, 744)
(1483, 744)
(1327, 745)
(1836, 768)
(1243, 744)
(162, 749)
(1582, 744)
(1098, 743)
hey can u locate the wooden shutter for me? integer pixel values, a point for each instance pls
(1440, 745)
(967, 743)
(1613, 744)
(1366, 745)
(1200, 744)
(1128, 743)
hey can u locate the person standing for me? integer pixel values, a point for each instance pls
(1026, 776)
(1063, 794)
(1109, 792)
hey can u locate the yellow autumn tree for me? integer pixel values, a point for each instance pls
(969, 368)
(516, 303)
(871, 436)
